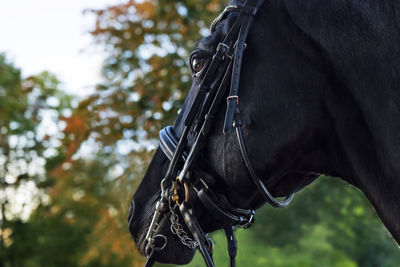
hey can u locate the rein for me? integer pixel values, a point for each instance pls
(223, 70)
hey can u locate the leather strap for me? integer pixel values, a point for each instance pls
(260, 185)
(198, 235)
(233, 97)
(149, 262)
(232, 244)
(238, 217)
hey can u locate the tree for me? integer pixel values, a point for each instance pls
(115, 128)
(29, 136)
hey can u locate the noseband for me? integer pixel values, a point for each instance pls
(223, 70)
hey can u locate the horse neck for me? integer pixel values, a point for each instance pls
(366, 126)
(360, 42)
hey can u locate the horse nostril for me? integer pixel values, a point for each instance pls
(131, 211)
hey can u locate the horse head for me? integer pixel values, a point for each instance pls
(282, 118)
(288, 88)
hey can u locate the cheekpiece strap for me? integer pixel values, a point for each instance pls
(232, 108)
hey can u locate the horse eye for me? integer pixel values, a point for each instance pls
(198, 65)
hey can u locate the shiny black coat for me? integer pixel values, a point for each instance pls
(319, 93)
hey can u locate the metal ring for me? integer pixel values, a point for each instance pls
(186, 192)
(175, 196)
(165, 242)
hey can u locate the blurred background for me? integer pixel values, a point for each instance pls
(85, 87)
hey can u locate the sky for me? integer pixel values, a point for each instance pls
(52, 35)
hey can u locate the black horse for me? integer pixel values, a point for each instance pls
(319, 93)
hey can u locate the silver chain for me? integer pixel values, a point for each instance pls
(177, 229)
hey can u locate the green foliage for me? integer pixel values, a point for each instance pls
(329, 224)
(29, 120)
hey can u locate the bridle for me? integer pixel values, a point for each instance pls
(222, 71)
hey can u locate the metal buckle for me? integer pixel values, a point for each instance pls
(220, 45)
(233, 97)
(247, 222)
